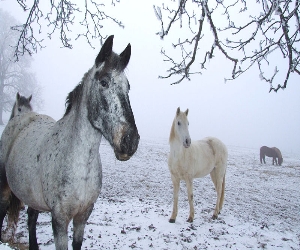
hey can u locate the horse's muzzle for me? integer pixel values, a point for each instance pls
(187, 142)
(128, 146)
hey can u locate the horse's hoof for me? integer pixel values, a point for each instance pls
(172, 220)
(214, 217)
(189, 220)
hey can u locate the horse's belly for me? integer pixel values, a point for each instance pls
(190, 169)
(26, 186)
(23, 170)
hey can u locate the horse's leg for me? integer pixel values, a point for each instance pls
(4, 203)
(189, 185)
(79, 222)
(264, 158)
(222, 195)
(60, 222)
(217, 179)
(4, 199)
(5, 193)
(32, 219)
(261, 156)
(176, 184)
(14, 208)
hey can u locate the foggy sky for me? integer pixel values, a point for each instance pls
(240, 112)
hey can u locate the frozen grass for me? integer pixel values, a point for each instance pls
(261, 209)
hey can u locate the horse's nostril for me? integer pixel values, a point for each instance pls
(129, 143)
(125, 143)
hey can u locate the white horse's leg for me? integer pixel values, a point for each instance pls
(189, 185)
(217, 178)
(79, 222)
(222, 195)
(176, 184)
(60, 224)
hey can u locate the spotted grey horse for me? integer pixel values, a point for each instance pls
(55, 165)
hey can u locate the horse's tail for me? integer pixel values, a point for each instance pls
(14, 208)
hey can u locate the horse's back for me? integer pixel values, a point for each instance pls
(270, 152)
(211, 153)
(17, 129)
(22, 141)
(218, 148)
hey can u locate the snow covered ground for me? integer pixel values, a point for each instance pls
(261, 210)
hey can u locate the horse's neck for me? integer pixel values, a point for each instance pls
(79, 128)
(176, 146)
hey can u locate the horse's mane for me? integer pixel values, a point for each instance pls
(75, 95)
(172, 132)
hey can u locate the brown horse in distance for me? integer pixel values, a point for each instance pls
(271, 152)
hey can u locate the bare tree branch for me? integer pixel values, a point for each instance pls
(60, 16)
(271, 28)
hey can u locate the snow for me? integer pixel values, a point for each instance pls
(261, 208)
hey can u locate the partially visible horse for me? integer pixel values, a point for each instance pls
(55, 166)
(22, 105)
(189, 160)
(271, 152)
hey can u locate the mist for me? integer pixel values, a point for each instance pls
(240, 112)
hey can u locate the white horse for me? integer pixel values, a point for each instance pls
(189, 160)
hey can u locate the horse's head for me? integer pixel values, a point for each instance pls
(22, 105)
(280, 160)
(180, 128)
(108, 104)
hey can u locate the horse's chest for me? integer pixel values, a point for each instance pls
(75, 181)
(178, 167)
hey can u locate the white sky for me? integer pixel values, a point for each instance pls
(240, 112)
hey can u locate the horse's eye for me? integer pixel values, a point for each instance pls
(104, 83)
(179, 123)
(19, 109)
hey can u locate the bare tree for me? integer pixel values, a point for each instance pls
(264, 33)
(58, 16)
(14, 76)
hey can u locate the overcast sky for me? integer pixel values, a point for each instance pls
(240, 112)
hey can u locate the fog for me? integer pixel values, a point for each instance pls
(240, 112)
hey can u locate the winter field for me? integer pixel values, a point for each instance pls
(261, 210)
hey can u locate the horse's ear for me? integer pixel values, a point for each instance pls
(187, 112)
(125, 57)
(18, 96)
(178, 111)
(105, 51)
(29, 98)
